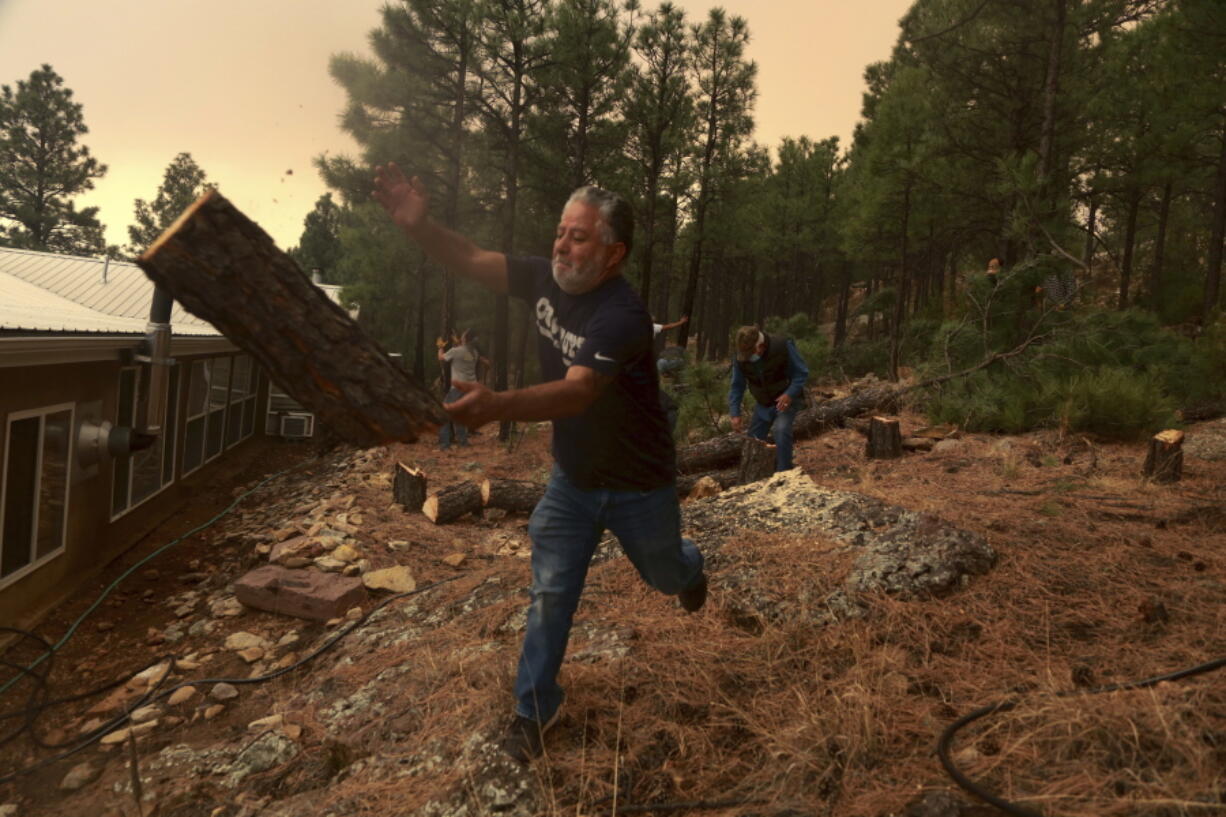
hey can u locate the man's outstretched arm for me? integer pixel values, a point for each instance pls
(408, 204)
(547, 401)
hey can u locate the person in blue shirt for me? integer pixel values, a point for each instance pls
(615, 464)
(775, 374)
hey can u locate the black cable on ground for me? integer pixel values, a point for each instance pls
(947, 737)
(157, 692)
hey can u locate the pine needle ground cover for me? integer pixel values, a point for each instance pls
(1102, 578)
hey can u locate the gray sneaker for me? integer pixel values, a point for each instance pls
(525, 738)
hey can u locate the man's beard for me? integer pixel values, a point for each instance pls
(575, 280)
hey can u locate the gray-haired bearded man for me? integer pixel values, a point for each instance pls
(614, 458)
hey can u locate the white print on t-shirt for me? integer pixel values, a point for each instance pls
(564, 341)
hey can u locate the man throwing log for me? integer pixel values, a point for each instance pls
(614, 458)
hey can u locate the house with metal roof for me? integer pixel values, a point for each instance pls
(106, 417)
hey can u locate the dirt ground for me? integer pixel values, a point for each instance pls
(1103, 577)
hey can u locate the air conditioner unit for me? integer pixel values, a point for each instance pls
(297, 426)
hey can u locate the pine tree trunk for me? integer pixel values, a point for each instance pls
(1091, 226)
(1157, 271)
(1130, 240)
(840, 318)
(1217, 234)
(223, 268)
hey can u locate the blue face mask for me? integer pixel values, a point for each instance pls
(755, 357)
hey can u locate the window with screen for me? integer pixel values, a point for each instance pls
(34, 488)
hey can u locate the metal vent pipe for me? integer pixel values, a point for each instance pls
(157, 345)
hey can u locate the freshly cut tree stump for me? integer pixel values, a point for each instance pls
(1164, 462)
(451, 503)
(409, 487)
(516, 495)
(223, 268)
(757, 461)
(884, 439)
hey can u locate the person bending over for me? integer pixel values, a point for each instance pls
(775, 374)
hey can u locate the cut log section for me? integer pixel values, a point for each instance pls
(1164, 461)
(451, 503)
(918, 443)
(515, 495)
(686, 482)
(884, 439)
(223, 268)
(409, 487)
(757, 461)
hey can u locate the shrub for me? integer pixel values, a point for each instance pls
(702, 401)
(1116, 402)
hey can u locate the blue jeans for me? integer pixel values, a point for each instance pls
(760, 424)
(446, 431)
(565, 529)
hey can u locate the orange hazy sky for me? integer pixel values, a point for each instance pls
(244, 86)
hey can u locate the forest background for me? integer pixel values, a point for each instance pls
(1081, 143)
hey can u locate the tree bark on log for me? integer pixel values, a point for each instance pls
(1164, 461)
(686, 482)
(451, 503)
(884, 439)
(757, 461)
(515, 495)
(721, 452)
(409, 487)
(223, 268)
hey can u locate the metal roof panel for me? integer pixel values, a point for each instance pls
(115, 288)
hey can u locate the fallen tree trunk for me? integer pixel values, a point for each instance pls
(686, 482)
(516, 495)
(721, 452)
(451, 503)
(223, 268)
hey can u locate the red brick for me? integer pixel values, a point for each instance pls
(301, 593)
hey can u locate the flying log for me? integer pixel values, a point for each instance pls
(223, 268)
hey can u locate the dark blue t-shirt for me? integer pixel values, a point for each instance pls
(622, 440)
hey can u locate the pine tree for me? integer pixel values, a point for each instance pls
(577, 128)
(319, 248)
(512, 50)
(659, 112)
(412, 104)
(726, 93)
(182, 183)
(42, 166)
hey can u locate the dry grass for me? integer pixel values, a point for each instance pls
(843, 719)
